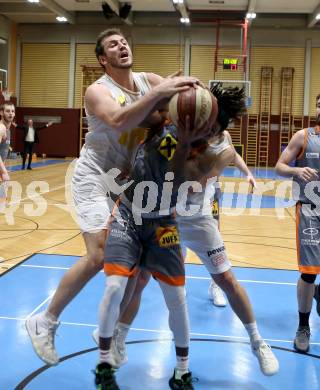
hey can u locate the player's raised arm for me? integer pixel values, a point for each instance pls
(99, 102)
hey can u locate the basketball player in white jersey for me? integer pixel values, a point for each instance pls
(115, 106)
(200, 233)
(7, 112)
(214, 291)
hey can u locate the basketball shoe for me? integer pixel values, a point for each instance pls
(105, 378)
(302, 339)
(185, 383)
(269, 364)
(41, 330)
(216, 294)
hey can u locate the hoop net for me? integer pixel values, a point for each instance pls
(6, 94)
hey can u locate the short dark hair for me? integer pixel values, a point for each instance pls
(231, 103)
(99, 50)
(318, 97)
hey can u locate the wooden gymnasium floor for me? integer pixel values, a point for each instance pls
(261, 235)
(220, 353)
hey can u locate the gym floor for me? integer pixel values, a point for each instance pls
(37, 250)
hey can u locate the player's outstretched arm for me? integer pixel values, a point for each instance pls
(99, 102)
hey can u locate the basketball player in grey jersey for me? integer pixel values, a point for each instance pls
(115, 105)
(7, 112)
(304, 149)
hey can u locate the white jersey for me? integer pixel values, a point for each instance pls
(104, 149)
(200, 231)
(106, 146)
(205, 197)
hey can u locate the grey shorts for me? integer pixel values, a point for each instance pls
(154, 245)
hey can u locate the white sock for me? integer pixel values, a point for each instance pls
(48, 317)
(182, 366)
(253, 332)
(123, 330)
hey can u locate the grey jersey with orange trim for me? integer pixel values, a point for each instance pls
(302, 191)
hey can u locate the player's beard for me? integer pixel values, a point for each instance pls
(115, 64)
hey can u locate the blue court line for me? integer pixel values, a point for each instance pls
(238, 200)
(260, 173)
(194, 270)
(36, 165)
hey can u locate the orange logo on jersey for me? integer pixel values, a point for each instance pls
(168, 146)
(130, 139)
(167, 236)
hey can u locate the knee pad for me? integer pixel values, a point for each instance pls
(309, 278)
(175, 297)
(178, 314)
(115, 287)
(110, 305)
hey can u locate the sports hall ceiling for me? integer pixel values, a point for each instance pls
(198, 11)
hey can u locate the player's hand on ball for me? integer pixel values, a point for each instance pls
(173, 85)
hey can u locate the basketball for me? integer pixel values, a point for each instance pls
(197, 103)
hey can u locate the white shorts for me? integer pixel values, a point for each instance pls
(90, 196)
(202, 236)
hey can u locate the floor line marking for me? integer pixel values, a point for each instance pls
(245, 280)
(41, 304)
(43, 266)
(39, 194)
(187, 276)
(245, 338)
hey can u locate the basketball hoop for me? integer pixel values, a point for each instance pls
(6, 94)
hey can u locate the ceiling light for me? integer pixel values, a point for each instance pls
(318, 17)
(185, 20)
(251, 15)
(33, 1)
(61, 19)
(177, 1)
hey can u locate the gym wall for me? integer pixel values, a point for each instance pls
(163, 50)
